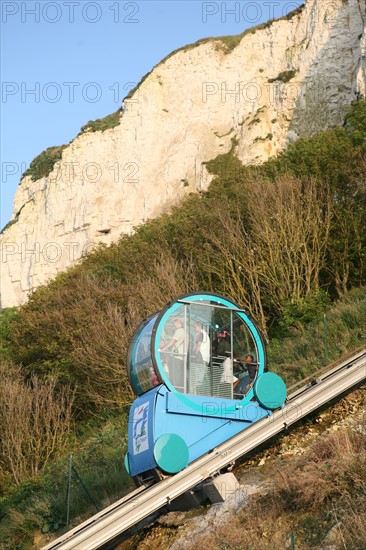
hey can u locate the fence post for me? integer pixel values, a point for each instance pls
(78, 478)
(69, 492)
(325, 340)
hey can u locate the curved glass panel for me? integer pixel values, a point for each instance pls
(203, 348)
(174, 348)
(142, 374)
(246, 356)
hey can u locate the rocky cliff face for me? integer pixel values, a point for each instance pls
(292, 78)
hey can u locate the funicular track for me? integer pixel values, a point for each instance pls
(122, 515)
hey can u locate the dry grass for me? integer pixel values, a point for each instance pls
(35, 422)
(260, 525)
(323, 491)
(335, 468)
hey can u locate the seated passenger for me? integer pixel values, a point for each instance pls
(153, 377)
(247, 382)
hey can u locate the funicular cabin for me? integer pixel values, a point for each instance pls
(186, 364)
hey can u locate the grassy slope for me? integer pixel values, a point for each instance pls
(318, 497)
(38, 506)
(312, 345)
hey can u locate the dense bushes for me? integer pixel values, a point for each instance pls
(313, 341)
(78, 328)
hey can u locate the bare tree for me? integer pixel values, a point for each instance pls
(290, 224)
(233, 259)
(167, 277)
(276, 254)
(100, 354)
(347, 247)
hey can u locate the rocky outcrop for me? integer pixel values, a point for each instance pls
(294, 77)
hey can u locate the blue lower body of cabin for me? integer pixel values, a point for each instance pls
(201, 422)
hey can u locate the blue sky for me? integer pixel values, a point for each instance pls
(64, 63)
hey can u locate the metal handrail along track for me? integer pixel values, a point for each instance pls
(122, 515)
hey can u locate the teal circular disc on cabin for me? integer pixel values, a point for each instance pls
(171, 453)
(270, 390)
(127, 464)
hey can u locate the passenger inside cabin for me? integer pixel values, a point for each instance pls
(223, 346)
(176, 347)
(201, 349)
(252, 368)
(153, 377)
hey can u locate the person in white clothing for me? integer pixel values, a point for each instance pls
(227, 375)
(201, 350)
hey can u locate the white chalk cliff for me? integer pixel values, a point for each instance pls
(293, 78)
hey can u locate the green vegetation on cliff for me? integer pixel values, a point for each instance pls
(43, 164)
(102, 124)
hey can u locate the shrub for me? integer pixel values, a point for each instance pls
(103, 124)
(355, 123)
(42, 166)
(284, 77)
(302, 353)
(333, 469)
(301, 311)
(6, 317)
(9, 224)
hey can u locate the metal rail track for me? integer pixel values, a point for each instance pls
(120, 516)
